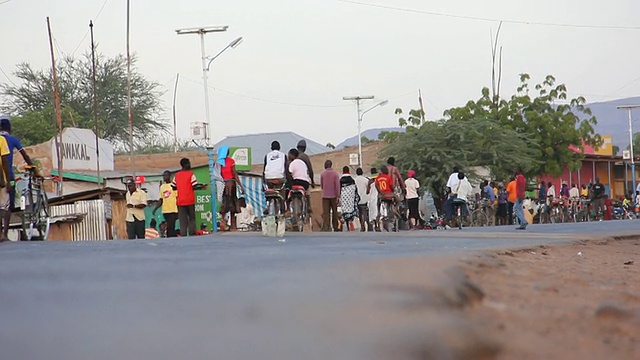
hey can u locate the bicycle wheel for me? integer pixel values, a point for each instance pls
(298, 216)
(479, 218)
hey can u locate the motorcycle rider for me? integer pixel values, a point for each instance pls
(275, 170)
(302, 155)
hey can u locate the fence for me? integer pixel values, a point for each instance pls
(93, 227)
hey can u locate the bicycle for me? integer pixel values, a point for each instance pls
(388, 219)
(458, 211)
(35, 207)
(481, 216)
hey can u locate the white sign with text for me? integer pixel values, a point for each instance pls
(79, 151)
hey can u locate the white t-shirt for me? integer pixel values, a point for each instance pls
(453, 182)
(299, 170)
(275, 165)
(551, 192)
(574, 193)
(412, 188)
(362, 183)
(464, 189)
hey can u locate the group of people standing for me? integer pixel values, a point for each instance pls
(360, 196)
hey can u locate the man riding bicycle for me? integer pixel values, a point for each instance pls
(275, 171)
(385, 186)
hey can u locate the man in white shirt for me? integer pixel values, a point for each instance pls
(574, 193)
(363, 206)
(275, 170)
(413, 199)
(452, 184)
(275, 163)
(551, 192)
(463, 191)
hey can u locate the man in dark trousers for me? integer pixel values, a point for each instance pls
(186, 183)
(521, 185)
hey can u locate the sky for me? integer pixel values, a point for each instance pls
(300, 57)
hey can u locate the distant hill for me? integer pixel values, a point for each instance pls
(371, 134)
(614, 122)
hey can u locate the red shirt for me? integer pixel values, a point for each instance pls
(184, 181)
(227, 170)
(384, 184)
(520, 186)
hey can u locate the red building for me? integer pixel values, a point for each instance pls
(613, 171)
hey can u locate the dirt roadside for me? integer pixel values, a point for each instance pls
(579, 301)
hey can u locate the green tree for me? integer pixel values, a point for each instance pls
(32, 98)
(37, 126)
(636, 143)
(550, 119)
(432, 149)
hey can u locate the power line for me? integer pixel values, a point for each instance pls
(477, 18)
(4, 2)
(267, 101)
(7, 76)
(87, 33)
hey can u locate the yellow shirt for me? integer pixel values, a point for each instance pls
(169, 198)
(4, 150)
(137, 198)
(584, 192)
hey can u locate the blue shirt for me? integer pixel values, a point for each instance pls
(14, 144)
(488, 192)
(542, 193)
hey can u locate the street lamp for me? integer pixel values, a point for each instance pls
(630, 108)
(358, 99)
(202, 31)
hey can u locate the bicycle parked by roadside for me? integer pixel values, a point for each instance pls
(35, 207)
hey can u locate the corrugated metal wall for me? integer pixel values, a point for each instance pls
(92, 227)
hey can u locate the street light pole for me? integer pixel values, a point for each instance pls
(358, 99)
(202, 32)
(629, 108)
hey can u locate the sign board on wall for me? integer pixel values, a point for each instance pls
(242, 157)
(607, 146)
(626, 155)
(79, 151)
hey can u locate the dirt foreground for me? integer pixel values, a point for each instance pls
(569, 302)
(578, 301)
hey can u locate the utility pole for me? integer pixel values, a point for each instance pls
(56, 97)
(629, 109)
(358, 100)
(422, 115)
(129, 110)
(95, 104)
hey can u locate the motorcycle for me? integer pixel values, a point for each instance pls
(388, 218)
(299, 208)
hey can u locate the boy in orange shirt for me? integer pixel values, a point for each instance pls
(512, 191)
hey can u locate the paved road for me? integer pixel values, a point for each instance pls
(229, 296)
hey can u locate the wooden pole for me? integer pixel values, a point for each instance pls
(421, 105)
(175, 126)
(95, 104)
(133, 161)
(56, 97)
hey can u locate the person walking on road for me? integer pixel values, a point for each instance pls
(597, 197)
(521, 185)
(413, 198)
(330, 183)
(362, 183)
(136, 202)
(349, 198)
(168, 198)
(372, 192)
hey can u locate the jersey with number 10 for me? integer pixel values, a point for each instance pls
(384, 184)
